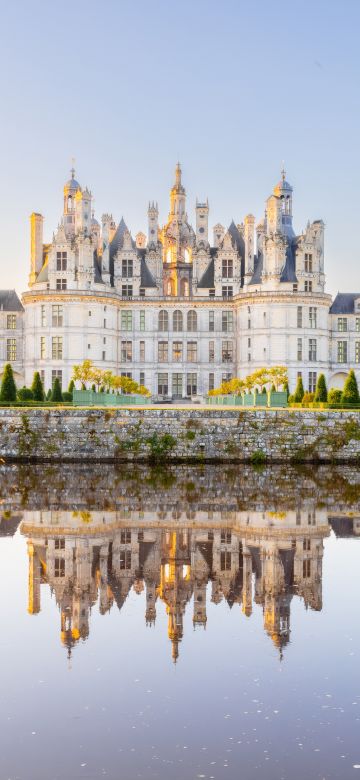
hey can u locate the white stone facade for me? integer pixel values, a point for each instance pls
(175, 312)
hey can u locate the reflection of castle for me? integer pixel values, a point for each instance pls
(261, 557)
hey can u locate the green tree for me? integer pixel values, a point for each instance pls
(286, 389)
(8, 386)
(37, 388)
(56, 394)
(48, 395)
(321, 393)
(25, 394)
(299, 391)
(350, 393)
(71, 386)
(334, 395)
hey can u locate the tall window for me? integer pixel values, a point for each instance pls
(192, 320)
(312, 349)
(11, 350)
(57, 347)
(307, 568)
(61, 284)
(142, 351)
(43, 315)
(308, 286)
(227, 268)
(163, 352)
(191, 351)
(342, 352)
(177, 320)
(163, 385)
(211, 351)
(227, 291)
(226, 376)
(212, 321)
(61, 261)
(142, 320)
(42, 347)
(57, 316)
(191, 384)
(357, 324)
(342, 324)
(177, 351)
(163, 320)
(312, 316)
(357, 351)
(177, 384)
(225, 536)
(11, 321)
(125, 536)
(308, 263)
(142, 377)
(227, 321)
(126, 351)
(126, 290)
(312, 381)
(227, 352)
(299, 349)
(126, 320)
(127, 267)
(56, 374)
(211, 381)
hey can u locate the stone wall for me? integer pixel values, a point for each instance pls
(179, 434)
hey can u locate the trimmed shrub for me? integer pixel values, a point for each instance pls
(308, 398)
(93, 387)
(67, 396)
(8, 386)
(48, 395)
(25, 394)
(321, 393)
(286, 389)
(71, 387)
(56, 395)
(334, 396)
(299, 391)
(273, 388)
(350, 393)
(37, 388)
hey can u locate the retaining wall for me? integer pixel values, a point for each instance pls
(203, 434)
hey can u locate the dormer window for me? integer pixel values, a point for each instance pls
(227, 268)
(127, 267)
(308, 263)
(61, 261)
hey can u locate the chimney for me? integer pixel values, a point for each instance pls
(36, 252)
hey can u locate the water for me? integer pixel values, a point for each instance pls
(182, 623)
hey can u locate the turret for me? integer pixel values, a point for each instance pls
(83, 211)
(70, 189)
(153, 223)
(249, 244)
(218, 232)
(283, 191)
(202, 216)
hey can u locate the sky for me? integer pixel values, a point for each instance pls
(228, 87)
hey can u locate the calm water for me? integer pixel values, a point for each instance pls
(189, 623)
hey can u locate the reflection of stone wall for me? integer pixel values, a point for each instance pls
(138, 434)
(177, 492)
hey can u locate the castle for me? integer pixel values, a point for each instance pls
(177, 310)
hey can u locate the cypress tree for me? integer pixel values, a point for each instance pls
(48, 395)
(286, 389)
(71, 386)
(56, 394)
(321, 394)
(37, 388)
(350, 393)
(8, 386)
(299, 391)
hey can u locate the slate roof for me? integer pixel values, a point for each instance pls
(118, 238)
(237, 238)
(258, 268)
(344, 303)
(343, 527)
(9, 301)
(147, 279)
(208, 277)
(288, 273)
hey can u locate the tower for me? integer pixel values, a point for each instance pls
(249, 244)
(153, 223)
(283, 190)
(83, 211)
(70, 189)
(202, 217)
(36, 247)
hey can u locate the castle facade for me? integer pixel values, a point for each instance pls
(179, 310)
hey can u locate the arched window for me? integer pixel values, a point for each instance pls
(177, 320)
(184, 288)
(192, 320)
(163, 320)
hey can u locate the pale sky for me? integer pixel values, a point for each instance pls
(230, 88)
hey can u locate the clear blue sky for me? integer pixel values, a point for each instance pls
(231, 88)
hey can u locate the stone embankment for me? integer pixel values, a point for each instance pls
(165, 434)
